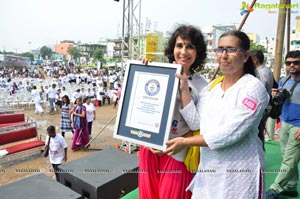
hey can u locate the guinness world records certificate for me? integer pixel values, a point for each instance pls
(147, 103)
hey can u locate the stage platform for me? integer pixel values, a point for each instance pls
(36, 187)
(104, 174)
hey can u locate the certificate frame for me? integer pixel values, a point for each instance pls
(147, 103)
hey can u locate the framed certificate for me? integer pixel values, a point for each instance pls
(147, 103)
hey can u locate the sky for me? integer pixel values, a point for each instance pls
(31, 24)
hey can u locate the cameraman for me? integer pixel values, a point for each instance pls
(287, 180)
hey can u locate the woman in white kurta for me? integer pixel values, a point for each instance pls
(90, 114)
(232, 156)
(36, 96)
(167, 177)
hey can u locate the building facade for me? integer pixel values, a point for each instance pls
(7, 61)
(87, 50)
(295, 36)
(63, 46)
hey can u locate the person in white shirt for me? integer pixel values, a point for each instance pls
(94, 84)
(58, 100)
(20, 85)
(9, 86)
(77, 94)
(64, 92)
(116, 83)
(83, 93)
(72, 78)
(106, 95)
(167, 176)
(27, 86)
(88, 79)
(46, 92)
(228, 117)
(99, 81)
(66, 79)
(51, 97)
(100, 87)
(60, 81)
(94, 92)
(112, 78)
(90, 93)
(104, 79)
(57, 149)
(90, 114)
(36, 96)
(78, 80)
(99, 97)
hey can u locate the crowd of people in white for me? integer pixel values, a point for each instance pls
(37, 87)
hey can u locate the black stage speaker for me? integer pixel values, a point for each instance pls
(105, 174)
(36, 187)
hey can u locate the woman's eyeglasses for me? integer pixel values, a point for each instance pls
(288, 63)
(229, 50)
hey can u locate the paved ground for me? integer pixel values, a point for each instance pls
(29, 167)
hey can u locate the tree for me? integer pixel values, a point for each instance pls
(74, 52)
(98, 54)
(28, 54)
(255, 46)
(45, 52)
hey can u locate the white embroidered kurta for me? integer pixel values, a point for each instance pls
(179, 126)
(230, 167)
(36, 96)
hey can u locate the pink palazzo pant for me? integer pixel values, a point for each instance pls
(162, 177)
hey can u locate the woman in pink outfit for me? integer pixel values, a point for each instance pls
(163, 176)
(80, 126)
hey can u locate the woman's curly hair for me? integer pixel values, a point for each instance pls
(197, 39)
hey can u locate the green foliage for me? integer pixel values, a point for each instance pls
(74, 52)
(28, 54)
(88, 66)
(98, 55)
(111, 60)
(46, 52)
(255, 46)
(102, 60)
